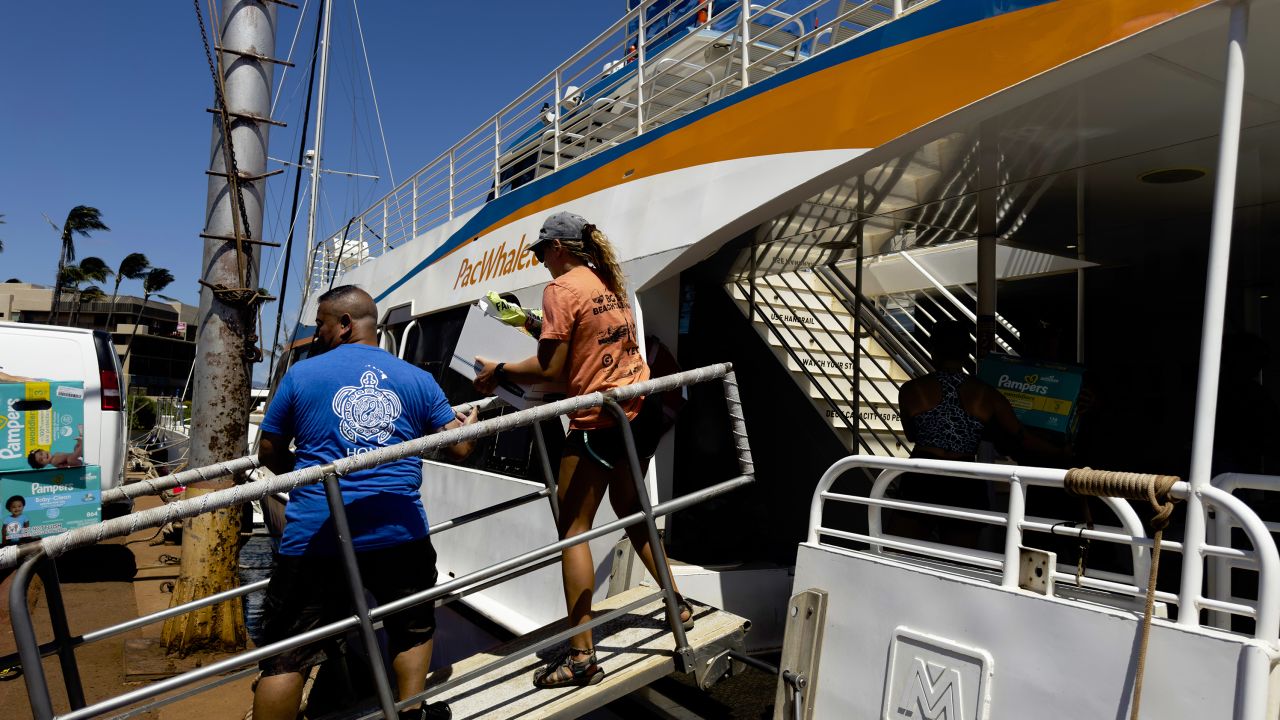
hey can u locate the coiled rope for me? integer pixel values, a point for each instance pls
(1133, 486)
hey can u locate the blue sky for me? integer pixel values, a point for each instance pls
(105, 106)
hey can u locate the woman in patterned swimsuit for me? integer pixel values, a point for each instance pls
(945, 414)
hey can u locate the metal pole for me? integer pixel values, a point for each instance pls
(333, 493)
(1013, 531)
(683, 651)
(555, 116)
(548, 477)
(24, 635)
(640, 71)
(48, 571)
(857, 315)
(985, 322)
(319, 144)
(1215, 302)
(744, 30)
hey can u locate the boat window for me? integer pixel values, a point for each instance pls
(430, 346)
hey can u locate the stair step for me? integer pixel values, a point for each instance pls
(875, 392)
(634, 650)
(872, 367)
(819, 343)
(877, 444)
(802, 301)
(881, 420)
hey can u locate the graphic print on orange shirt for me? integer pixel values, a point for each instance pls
(601, 332)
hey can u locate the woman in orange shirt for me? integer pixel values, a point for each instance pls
(588, 338)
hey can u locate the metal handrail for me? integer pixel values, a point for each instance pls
(472, 168)
(1266, 610)
(1219, 581)
(35, 556)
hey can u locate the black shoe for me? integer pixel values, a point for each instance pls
(433, 711)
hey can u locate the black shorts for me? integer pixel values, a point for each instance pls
(307, 592)
(606, 446)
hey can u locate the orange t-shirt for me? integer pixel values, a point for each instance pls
(601, 331)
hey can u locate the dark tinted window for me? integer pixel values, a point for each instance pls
(430, 346)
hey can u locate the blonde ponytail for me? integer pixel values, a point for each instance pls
(605, 261)
(595, 250)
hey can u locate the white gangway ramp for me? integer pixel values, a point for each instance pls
(634, 649)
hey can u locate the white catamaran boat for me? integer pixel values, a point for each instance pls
(804, 189)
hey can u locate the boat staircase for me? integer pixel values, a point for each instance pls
(850, 350)
(637, 636)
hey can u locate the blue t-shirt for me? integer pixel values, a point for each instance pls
(353, 399)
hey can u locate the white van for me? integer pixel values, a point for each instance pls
(63, 353)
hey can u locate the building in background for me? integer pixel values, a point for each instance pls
(163, 345)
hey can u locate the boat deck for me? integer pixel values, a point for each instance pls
(635, 649)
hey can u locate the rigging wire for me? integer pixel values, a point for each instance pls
(297, 182)
(284, 72)
(386, 151)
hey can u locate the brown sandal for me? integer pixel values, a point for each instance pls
(568, 672)
(685, 606)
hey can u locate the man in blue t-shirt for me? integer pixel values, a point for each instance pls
(354, 398)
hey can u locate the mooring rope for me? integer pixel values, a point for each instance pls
(1133, 486)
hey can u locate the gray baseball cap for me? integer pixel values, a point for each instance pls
(562, 225)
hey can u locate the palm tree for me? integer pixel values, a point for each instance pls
(156, 280)
(88, 270)
(134, 266)
(81, 221)
(88, 294)
(1, 240)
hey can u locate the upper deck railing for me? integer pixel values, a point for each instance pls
(660, 61)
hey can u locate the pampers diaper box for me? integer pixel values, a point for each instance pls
(1043, 395)
(40, 503)
(43, 423)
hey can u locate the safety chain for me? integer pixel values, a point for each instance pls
(246, 298)
(240, 218)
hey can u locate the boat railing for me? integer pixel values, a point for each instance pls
(657, 63)
(1219, 580)
(38, 558)
(1263, 557)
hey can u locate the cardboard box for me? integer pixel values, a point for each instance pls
(485, 336)
(1042, 394)
(49, 501)
(42, 415)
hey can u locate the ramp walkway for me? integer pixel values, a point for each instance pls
(635, 649)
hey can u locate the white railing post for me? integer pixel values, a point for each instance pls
(497, 154)
(413, 209)
(744, 31)
(555, 114)
(384, 229)
(898, 7)
(640, 70)
(1013, 531)
(451, 183)
(1215, 301)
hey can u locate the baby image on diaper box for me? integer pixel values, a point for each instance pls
(40, 503)
(43, 425)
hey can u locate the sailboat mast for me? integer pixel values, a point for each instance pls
(319, 144)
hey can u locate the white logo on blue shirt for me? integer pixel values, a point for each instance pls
(367, 411)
